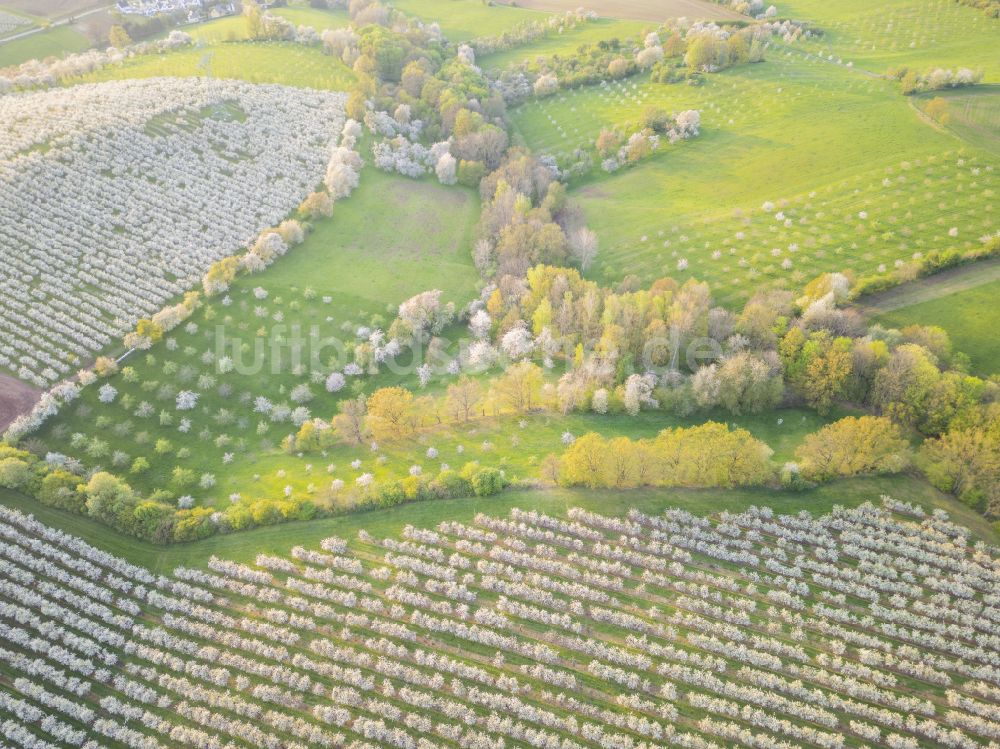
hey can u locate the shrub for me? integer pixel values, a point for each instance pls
(15, 473)
(193, 524)
(449, 483)
(108, 498)
(390, 493)
(486, 482)
(470, 173)
(59, 489)
(238, 517)
(153, 520)
(182, 478)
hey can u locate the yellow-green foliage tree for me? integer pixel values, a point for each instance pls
(105, 366)
(390, 413)
(937, 108)
(254, 19)
(707, 455)
(220, 274)
(15, 473)
(853, 446)
(315, 435)
(118, 37)
(583, 464)
(711, 454)
(966, 462)
(350, 423)
(463, 397)
(519, 387)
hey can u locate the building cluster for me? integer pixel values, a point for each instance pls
(195, 10)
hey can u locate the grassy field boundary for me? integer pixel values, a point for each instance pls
(932, 287)
(278, 539)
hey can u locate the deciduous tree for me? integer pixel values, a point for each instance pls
(390, 413)
(853, 446)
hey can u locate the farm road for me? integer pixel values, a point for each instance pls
(932, 287)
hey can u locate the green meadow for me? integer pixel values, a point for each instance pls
(234, 28)
(462, 20)
(568, 42)
(286, 63)
(973, 114)
(56, 41)
(922, 34)
(971, 317)
(865, 183)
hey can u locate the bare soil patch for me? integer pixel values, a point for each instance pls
(639, 10)
(16, 398)
(593, 191)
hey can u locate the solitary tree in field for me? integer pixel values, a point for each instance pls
(937, 108)
(519, 387)
(390, 413)
(463, 396)
(350, 422)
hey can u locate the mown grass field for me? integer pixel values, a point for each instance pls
(56, 41)
(864, 181)
(971, 317)
(244, 546)
(257, 62)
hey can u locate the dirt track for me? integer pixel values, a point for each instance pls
(15, 398)
(932, 287)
